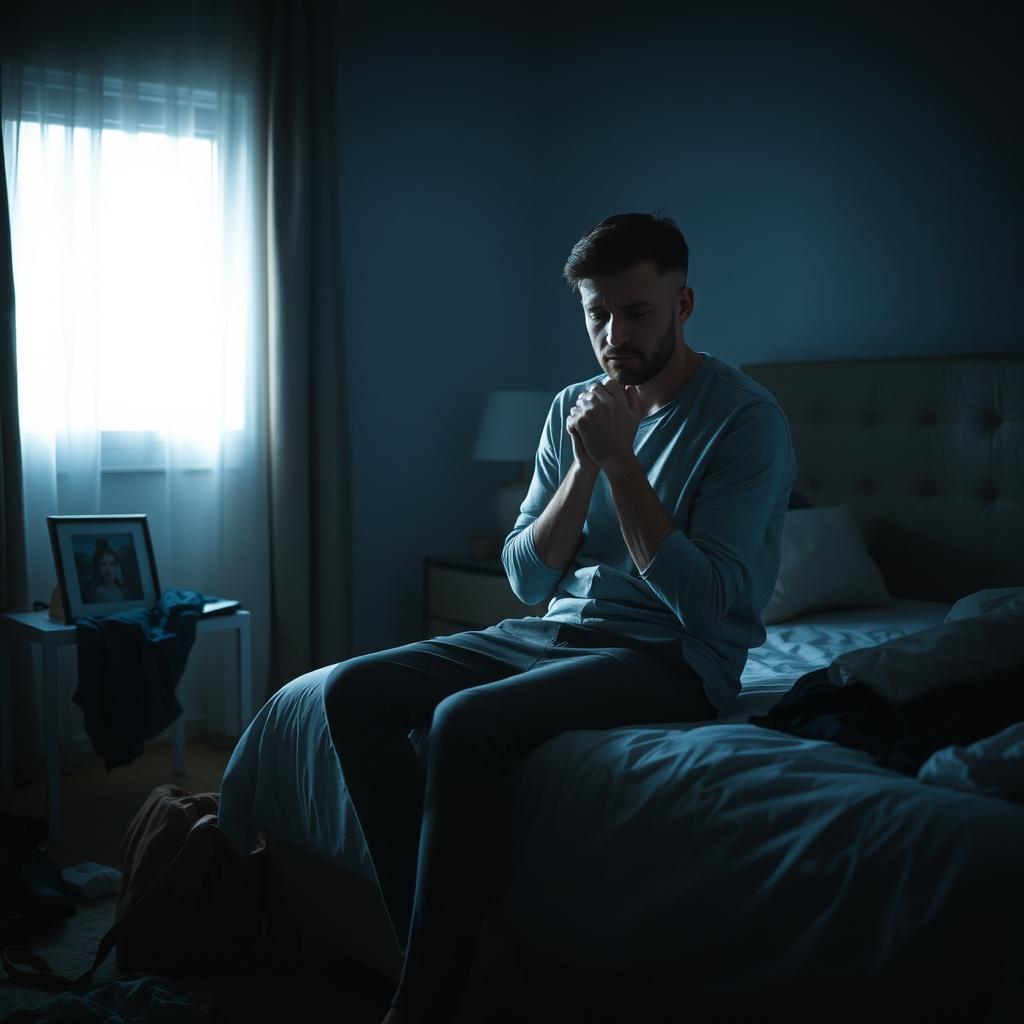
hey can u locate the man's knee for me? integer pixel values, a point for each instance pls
(348, 691)
(461, 733)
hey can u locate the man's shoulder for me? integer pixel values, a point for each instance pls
(738, 386)
(736, 392)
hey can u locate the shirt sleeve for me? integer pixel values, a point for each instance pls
(532, 579)
(700, 575)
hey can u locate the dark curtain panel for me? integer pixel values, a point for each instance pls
(24, 739)
(308, 443)
(294, 49)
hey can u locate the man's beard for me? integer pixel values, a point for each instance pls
(651, 367)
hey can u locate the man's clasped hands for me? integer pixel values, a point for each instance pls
(603, 425)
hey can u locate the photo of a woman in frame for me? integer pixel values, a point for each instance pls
(108, 583)
(107, 568)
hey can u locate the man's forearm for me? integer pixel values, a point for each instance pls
(558, 529)
(642, 517)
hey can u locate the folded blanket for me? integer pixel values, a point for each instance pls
(90, 881)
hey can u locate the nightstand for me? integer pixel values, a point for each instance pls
(39, 628)
(461, 592)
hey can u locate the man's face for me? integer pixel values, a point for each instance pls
(634, 320)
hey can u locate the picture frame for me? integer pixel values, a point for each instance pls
(105, 564)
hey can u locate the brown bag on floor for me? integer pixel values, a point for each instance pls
(189, 905)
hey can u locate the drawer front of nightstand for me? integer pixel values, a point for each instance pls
(470, 600)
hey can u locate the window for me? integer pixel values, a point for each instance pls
(130, 263)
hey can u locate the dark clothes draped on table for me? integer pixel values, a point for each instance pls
(898, 736)
(129, 665)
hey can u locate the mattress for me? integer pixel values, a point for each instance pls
(805, 843)
(284, 777)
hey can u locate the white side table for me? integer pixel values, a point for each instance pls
(39, 628)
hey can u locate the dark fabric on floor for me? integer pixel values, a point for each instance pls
(33, 892)
(133, 998)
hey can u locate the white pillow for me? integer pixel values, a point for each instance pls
(824, 564)
(961, 650)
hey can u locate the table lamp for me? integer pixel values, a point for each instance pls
(510, 431)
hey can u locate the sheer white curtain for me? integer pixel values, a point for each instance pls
(134, 179)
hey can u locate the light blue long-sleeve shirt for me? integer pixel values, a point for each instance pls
(720, 458)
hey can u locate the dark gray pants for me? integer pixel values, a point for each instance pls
(487, 696)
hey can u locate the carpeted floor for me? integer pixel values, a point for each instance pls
(69, 948)
(97, 808)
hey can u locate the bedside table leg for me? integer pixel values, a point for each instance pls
(6, 715)
(244, 675)
(50, 698)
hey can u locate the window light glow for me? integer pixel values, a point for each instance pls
(127, 318)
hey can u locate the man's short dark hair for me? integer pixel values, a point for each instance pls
(624, 239)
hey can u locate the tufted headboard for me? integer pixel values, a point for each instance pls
(927, 451)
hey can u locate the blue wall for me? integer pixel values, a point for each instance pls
(848, 187)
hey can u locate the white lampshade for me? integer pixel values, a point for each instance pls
(512, 425)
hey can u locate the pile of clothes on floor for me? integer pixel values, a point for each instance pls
(35, 895)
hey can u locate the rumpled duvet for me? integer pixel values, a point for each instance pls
(728, 860)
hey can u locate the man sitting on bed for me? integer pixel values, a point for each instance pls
(653, 523)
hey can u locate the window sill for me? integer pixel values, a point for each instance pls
(149, 452)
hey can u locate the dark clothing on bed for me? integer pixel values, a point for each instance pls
(487, 696)
(903, 736)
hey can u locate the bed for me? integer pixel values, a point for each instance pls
(725, 870)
